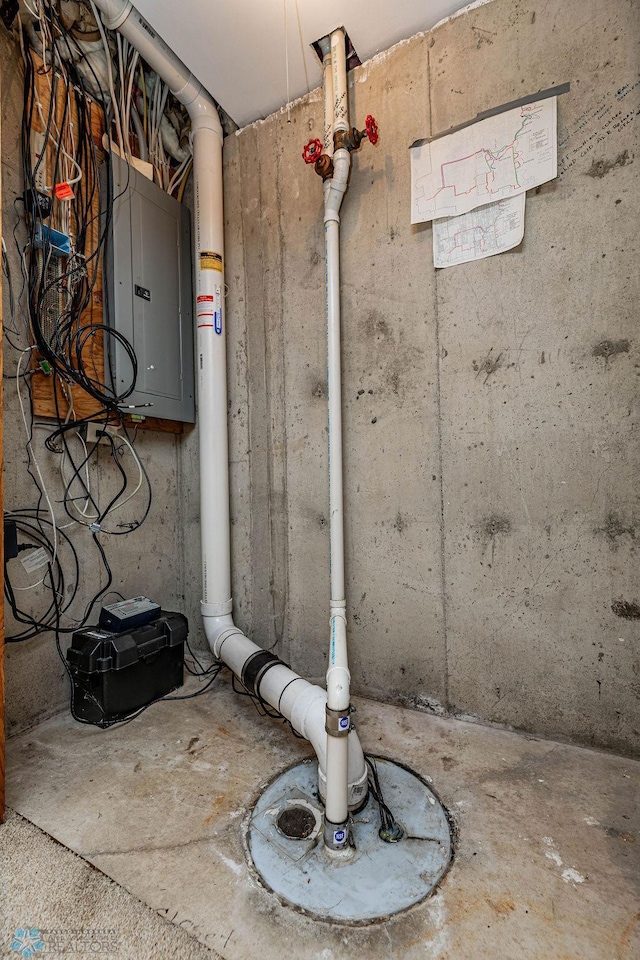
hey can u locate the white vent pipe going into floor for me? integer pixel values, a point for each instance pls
(302, 703)
(338, 677)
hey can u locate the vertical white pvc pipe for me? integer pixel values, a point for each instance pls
(334, 390)
(339, 62)
(332, 250)
(211, 370)
(327, 88)
(338, 697)
(338, 679)
(209, 274)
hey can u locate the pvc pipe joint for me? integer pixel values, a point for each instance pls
(114, 12)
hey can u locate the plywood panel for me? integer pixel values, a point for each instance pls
(44, 400)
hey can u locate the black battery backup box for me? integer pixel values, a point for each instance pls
(115, 674)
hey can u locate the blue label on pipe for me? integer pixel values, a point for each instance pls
(217, 321)
(343, 723)
(339, 836)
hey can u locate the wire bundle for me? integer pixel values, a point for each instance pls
(64, 194)
(57, 293)
(390, 830)
(145, 111)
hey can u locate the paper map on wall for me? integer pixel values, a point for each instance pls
(498, 157)
(482, 232)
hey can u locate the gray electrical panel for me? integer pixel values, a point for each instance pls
(148, 295)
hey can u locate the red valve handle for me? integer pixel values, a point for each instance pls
(372, 129)
(312, 150)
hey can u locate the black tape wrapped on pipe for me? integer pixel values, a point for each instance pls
(255, 668)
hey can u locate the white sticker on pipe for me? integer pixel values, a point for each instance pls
(209, 309)
(217, 303)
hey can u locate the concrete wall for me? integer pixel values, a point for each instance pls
(149, 560)
(491, 459)
(489, 409)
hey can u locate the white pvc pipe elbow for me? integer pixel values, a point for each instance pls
(302, 703)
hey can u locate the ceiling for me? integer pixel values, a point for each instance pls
(237, 48)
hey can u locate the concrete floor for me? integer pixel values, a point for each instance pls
(546, 864)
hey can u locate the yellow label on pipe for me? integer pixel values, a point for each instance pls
(210, 260)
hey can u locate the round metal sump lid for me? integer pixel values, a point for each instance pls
(284, 842)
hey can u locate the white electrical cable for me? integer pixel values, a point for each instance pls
(87, 484)
(127, 443)
(84, 519)
(178, 175)
(125, 130)
(56, 138)
(129, 97)
(114, 102)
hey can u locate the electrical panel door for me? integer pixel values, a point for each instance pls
(148, 295)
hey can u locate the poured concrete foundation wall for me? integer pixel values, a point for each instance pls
(491, 444)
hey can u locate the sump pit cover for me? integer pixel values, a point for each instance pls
(284, 841)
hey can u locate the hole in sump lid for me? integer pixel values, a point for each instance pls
(296, 822)
(353, 60)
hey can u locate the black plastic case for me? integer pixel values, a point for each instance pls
(117, 673)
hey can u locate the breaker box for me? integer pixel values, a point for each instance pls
(148, 294)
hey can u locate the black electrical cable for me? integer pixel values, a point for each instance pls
(261, 706)
(390, 830)
(65, 350)
(29, 525)
(202, 671)
(68, 344)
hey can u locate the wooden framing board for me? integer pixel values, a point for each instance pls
(42, 387)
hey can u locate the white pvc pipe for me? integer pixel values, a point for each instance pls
(338, 677)
(209, 272)
(339, 61)
(327, 88)
(302, 703)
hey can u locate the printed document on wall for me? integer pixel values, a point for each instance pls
(496, 158)
(482, 232)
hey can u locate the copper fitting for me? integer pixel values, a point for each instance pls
(340, 140)
(348, 139)
(324, 166)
